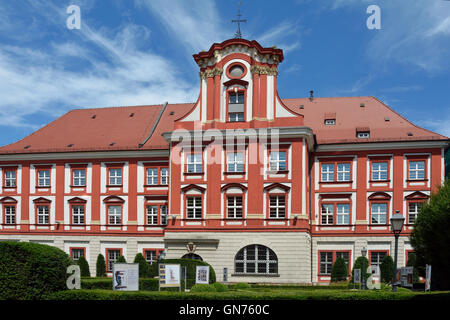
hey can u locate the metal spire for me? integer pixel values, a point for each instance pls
(238, 33)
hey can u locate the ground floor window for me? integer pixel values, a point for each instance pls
(256, 259)
(326, 263)
(76, 254)
(112, 255)
(376, 257)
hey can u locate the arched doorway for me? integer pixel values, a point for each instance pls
(192, 256)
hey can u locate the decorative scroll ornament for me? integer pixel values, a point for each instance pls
(210, 73)
(271, 71)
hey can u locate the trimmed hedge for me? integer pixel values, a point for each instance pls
(100, 270)
(203, 288)
(30, 270)
(190, 265)
(84, 267)
(106, 284)
(339, 270)
(144, 268)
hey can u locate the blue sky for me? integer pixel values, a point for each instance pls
(135, 52)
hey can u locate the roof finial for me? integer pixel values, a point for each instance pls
(238, 33)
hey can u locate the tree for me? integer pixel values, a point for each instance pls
(387, 269)
(430, 237)
(358, 265)
(100, 270)
(84, 267)
(121, 259)
(339, 271)
(144, 269)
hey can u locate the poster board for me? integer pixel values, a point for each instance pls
(428, 278)
(126, 276)
(202, 275)
(407, 277)
(169, 275)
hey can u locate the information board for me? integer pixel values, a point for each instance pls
(126, 276)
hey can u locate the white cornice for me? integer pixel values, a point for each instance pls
(383, 145)
(84, 155)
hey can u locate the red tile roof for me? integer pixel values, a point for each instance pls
(125, 128)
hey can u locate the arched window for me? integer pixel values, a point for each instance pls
(256, 259)
(192, 256)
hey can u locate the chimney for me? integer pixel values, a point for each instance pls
(311, 95)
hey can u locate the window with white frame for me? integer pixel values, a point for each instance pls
(326, 263)
(79, 177)
(413, 211)
(379, 213)
(194, 163)
(77, 254)
(379, 171)
(327, 172)
(363, 134)
(277, 161)
(234, 207)
(343, 172)
(256, 259)
(78, 214)
(152, 176)
(342, 213)
(44, 178)
(151, 256)
(164, 212)
(277, 207)
(115, 177)
(194, 207)
(236, 107)
(43, 215)
(327, 213)
(344, 255)
(235, 162)
(113, 255)
(152, 215)
(164, 175)
(10, 214)
(10, 178)
(416, 170)
(114, 214)
(330, 122)
(376, 257)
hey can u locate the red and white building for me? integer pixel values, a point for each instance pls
(272, 189)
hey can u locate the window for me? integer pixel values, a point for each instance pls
(194, 163)
(379, 171)
(164, 175)
(343, 172)
(379, 213)
(235, 162)
(256, 259)
(79, 177)
(43, 178)
(43, 215)
(234, 207)
(277, 206)
(115, 214)
(152, 214)
(152, 176)
(115, 176)
(78, 214)
(277, 161)
(236, 107)
(151, 256)
(416, 170)
(363, 134)
(327, 172)
(327, 213)
(413, 211)
(236, 71)
(10, 215)
(343, 213)
(344, 255)
(194, 207)
(76, 254)
(330, 122)
(376, 257)
(326, 263)
(10, 179)
(164, 212)
(112, 256)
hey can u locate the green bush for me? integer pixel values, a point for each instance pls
(387, 269)
(100, 270)
(220, 287)
(121, 259)
(190, 265)
(358, 265)
(31, 270)
(106, 283)
(412, 261)
(144, 268)
(241, 285)
(339, 270)
(84, 267)
(203, 288)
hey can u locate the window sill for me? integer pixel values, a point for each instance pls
(335, 182)
(234, 173)
(43, 187)
(12, 187)
(114, 185)
(193, 173)
(277, 172)
(155, 185)
(379, 181)
(78, 186)
(416, 180)
(265, 275)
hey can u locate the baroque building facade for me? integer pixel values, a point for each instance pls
(274, 190)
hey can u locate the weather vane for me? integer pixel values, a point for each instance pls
(239, 20)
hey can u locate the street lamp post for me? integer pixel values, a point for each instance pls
(363, 271)
(397, 225)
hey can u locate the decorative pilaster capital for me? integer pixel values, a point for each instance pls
(210, 73)
(271, 71)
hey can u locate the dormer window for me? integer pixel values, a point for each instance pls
(236, 106)
(363, 134)
(330, 122)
